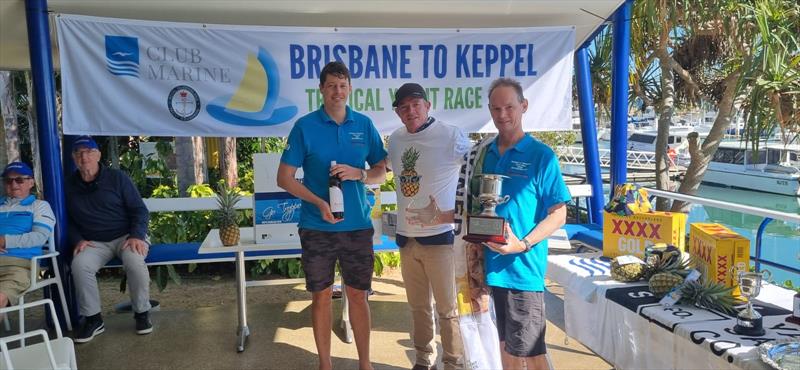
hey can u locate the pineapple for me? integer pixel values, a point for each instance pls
(227, 216)
(628, 272)
(666, 270)
(662, 282)
(709, 294)
(409, 179)
(671, 261)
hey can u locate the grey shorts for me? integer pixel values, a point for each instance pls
(521, 321)
(353, 250)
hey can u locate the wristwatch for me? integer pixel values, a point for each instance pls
(527, 245)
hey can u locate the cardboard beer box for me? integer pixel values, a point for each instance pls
(720, 249)
(631, 234)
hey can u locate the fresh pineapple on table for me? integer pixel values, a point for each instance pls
(409, 178)
(627, 272)
(666, 271)
(709, 294)
(227, 216)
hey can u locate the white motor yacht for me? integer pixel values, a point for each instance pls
(775, 168)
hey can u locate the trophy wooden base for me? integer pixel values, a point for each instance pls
(477, 239)
(486, 228)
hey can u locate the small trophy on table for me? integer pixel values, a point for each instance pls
(487, 226)
(749, 321)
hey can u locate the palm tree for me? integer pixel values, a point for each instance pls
(717, 51)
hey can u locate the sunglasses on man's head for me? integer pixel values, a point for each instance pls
(18, 180)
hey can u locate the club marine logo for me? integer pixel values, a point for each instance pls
(183, 103)
(122, 55)
(257, 100)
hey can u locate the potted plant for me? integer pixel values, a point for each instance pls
(227, 216)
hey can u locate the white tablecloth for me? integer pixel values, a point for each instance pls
(624, 324)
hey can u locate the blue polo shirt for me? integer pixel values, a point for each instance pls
(315, 141)
(534, 184)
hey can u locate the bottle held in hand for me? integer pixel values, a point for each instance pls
(335, 196)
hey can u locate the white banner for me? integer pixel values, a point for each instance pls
(128, 77)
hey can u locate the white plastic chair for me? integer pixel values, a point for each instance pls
(58, 353)
(37, 283)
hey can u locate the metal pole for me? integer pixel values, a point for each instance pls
(589, 136)
(759, 237)
(44, 92)
(619, 94)
(243, 331)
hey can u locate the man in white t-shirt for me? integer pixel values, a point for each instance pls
(426, 156)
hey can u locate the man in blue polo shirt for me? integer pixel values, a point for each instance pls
(536, 208)
(335, 132)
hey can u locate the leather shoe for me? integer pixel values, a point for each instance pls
(423, 367)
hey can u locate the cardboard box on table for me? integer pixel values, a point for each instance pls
(720, 249)
(631, 234)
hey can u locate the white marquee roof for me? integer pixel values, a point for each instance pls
(585, 15)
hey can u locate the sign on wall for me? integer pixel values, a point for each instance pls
(130, 77)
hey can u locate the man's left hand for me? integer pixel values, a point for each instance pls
(514, 245)
(136, 245)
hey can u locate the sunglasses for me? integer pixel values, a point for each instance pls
(18, 180)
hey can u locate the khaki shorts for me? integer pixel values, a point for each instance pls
(15, 277)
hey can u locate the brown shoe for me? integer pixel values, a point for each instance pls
(423, 367)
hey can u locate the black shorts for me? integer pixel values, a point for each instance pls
(521, 321)
(353, 249)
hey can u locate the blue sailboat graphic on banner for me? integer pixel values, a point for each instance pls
(257, 100)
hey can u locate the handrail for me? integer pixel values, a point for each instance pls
(768, 215)
(789, 217)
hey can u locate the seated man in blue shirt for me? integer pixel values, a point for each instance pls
(107, 219)
(335, 132)
(25, 225)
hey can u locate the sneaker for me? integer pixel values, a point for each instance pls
(91, 327)
(143, 324)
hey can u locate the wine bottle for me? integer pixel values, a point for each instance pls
(335, 196)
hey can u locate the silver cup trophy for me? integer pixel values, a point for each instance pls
(749, 321)
(487, 226)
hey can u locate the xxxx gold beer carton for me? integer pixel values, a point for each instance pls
(633, 233)
(720, 249)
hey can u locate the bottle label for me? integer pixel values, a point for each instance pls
(336, 199)
(796, 310)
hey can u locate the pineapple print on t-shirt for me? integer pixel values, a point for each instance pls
(409, 179)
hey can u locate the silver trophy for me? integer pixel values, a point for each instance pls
(749, 321)
(487, 226)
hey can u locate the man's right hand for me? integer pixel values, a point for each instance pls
(327, 215)
(83, 244)
(425, 216)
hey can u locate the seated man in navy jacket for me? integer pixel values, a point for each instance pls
(107, 219)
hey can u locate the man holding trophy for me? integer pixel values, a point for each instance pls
(513, 196)
(530, 205)
(426, 155)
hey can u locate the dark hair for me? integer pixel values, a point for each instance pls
(335, 68)
(507, 82)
